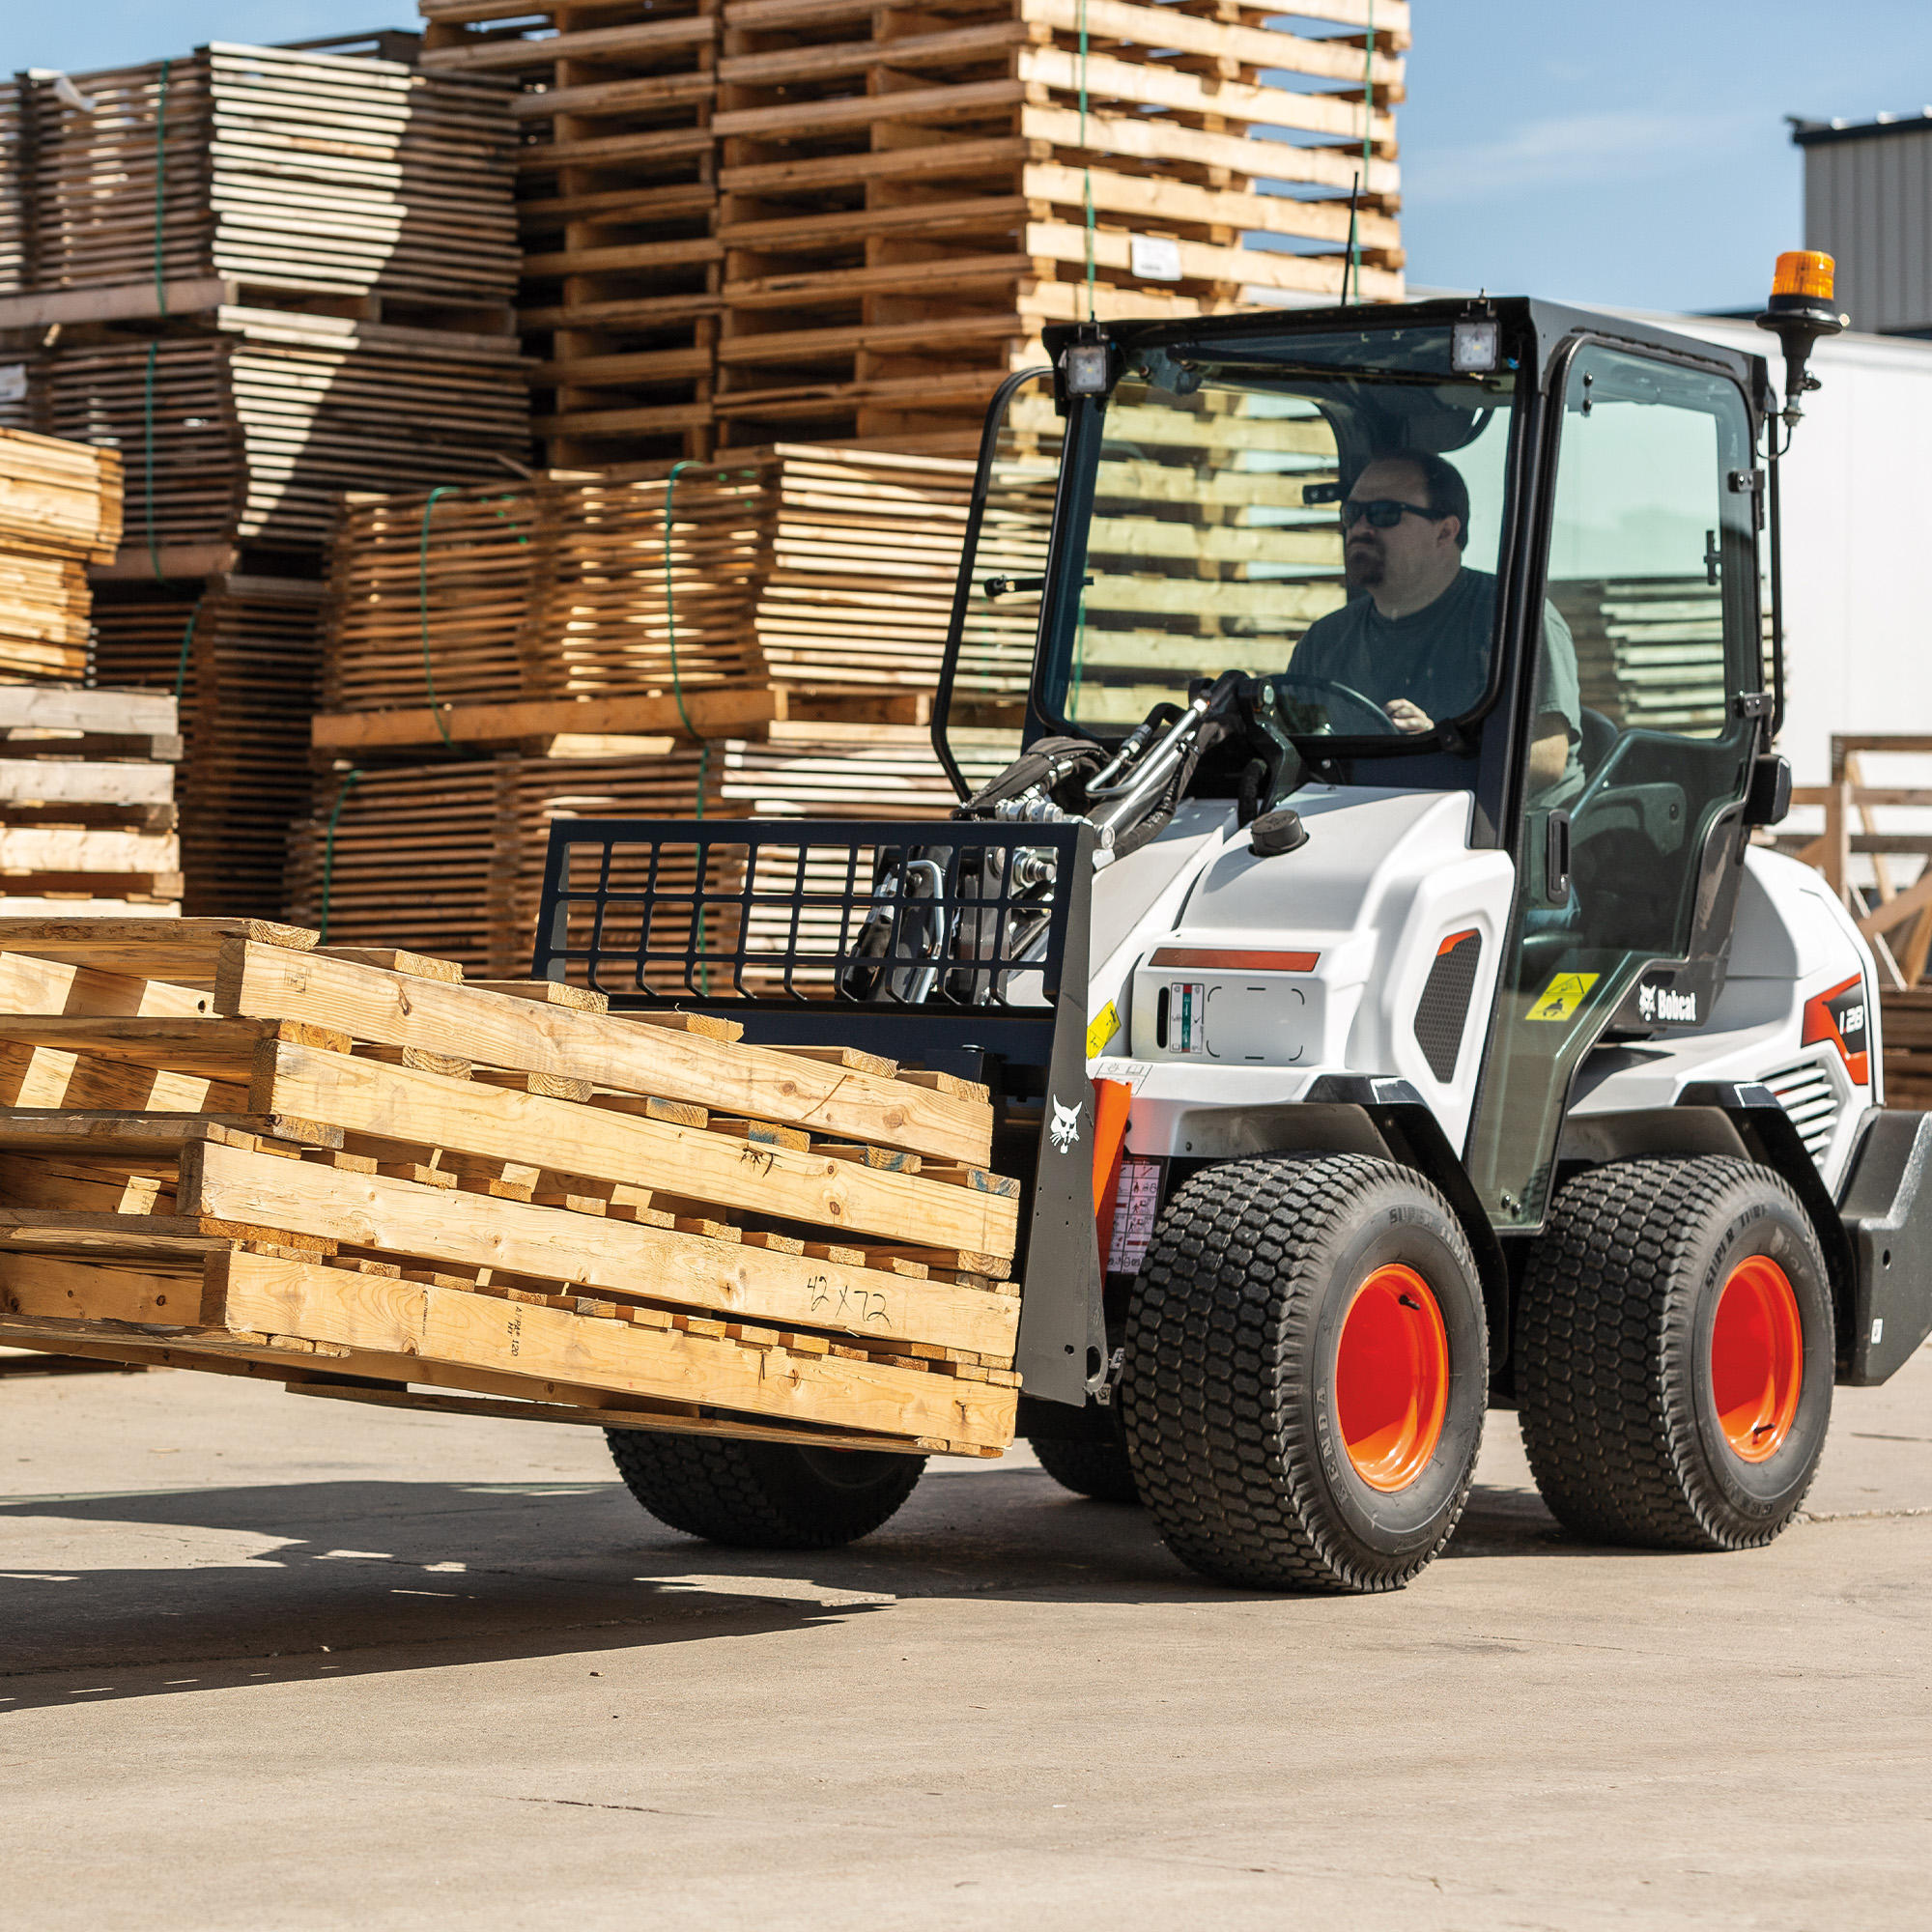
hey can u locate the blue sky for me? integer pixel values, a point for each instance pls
(1632, 153)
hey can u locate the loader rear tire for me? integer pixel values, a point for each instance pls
(1674, 1354)
(1096, 1469)
(762, 1495)
(1306, 1373)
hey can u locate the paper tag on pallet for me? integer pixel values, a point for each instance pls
(1155, 258)
(13, 382)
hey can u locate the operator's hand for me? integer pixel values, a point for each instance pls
(1407, 717)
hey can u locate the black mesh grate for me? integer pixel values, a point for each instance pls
(787, 912)
(1444, 1006)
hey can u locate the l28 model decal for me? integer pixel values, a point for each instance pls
(1842, 1015)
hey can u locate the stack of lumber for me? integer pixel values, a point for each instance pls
(227, 1149)
(626, 603)
(618, 203)
(448, 858)
(270, 168)
(1906, 1030)
(87, 813)
(60, 509)
(12, 188)
(752, 219)
(243, 649)
(262, 418)
(264, 278)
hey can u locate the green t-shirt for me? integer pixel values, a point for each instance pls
(1438, 659)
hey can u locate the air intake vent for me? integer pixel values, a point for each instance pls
(1805, 1093)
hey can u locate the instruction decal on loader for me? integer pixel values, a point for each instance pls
(1564, 994)
(1103, 1025)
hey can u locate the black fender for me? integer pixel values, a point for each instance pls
(1371, 1114)
(1887, 1217)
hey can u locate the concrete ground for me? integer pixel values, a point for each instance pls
(270, 1661)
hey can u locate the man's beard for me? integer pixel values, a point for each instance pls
(1363, 566)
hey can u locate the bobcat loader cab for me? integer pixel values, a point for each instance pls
(1374, 1056)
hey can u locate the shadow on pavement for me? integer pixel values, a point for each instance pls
(150, 1583)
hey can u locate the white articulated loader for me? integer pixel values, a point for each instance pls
(1355, 914)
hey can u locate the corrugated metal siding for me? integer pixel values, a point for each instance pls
(1869, 203)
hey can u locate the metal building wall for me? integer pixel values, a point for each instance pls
(1868, 202)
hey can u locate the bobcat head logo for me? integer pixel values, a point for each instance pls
(1065, 1128)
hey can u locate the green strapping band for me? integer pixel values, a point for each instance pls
(348, 780)
(422, 611)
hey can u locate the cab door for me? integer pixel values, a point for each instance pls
(1627, 865)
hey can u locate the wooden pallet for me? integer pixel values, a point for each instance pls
(224, 1142)
(617, 205)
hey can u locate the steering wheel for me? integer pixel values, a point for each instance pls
(1379, 724)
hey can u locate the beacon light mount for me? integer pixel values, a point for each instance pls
(1800, 311)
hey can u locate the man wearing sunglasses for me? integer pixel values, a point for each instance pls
(1416, 633)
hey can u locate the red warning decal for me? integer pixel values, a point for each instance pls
(1842, 1015)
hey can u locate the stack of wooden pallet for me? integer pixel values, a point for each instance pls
(264, 276)
(227, 1149)
(619, 204)
(747, 219)
(908, 195)
(60, 509)
(87, 812)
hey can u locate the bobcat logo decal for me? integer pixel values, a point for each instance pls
(1065, 1128)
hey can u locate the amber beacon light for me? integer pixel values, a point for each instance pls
(1800, 311)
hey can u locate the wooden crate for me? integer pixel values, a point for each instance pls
(225, 1146)
(617, 205)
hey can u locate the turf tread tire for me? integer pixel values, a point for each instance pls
(1220, 1351)
(1605, 1352)
(760, 1496)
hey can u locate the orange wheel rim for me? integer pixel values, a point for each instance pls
(1757, 1358)
(1392, 1377)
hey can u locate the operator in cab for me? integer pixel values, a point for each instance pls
(1417, 631)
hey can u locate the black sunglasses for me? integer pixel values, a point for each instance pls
(1383, 513)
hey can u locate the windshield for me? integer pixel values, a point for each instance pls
(1321, 511)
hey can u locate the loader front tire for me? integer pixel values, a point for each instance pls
(762, 1495)
(1306, 1373)
(1674, 1353)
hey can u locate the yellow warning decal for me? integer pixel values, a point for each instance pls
(1100, 1029)
(1564, 994)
